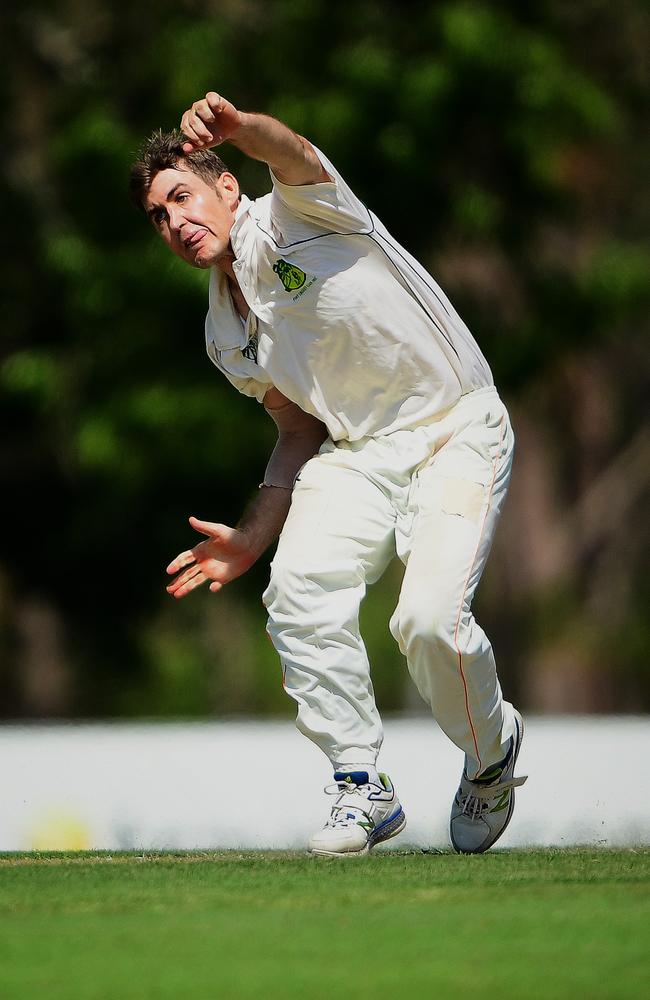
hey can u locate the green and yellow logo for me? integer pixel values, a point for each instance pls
(290, 275)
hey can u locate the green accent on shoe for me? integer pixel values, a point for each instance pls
(366, 824)
(491, 775)
(503, 802)
(386, 782)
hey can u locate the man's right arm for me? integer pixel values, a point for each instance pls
(213, 120)
(306, 186)
(227, 552)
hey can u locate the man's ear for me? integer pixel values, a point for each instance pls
(229, 189)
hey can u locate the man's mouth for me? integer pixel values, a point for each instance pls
(195, 238)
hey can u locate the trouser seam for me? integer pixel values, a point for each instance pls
(495, 468)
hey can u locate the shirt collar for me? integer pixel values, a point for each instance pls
(224, 327)
(242, 217)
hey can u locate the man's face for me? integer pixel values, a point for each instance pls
(193, 217)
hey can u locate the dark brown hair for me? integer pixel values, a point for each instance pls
(163, 150)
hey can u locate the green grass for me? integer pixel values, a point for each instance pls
(520, 924)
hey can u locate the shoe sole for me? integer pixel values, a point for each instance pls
(481, 850)
(389, 829)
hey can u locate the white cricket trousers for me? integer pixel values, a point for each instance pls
(433, 494)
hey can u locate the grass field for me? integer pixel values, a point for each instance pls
(524, 924)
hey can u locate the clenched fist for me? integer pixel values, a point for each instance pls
(209, 122)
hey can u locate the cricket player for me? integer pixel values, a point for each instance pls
(391, 437)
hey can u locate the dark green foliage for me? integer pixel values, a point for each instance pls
(500, 141)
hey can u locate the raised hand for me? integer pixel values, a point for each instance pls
(208, 122)
(223, 556)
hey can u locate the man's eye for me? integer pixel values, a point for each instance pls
(182, 197)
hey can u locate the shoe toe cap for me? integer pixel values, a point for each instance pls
(468, 835)
(340, 841)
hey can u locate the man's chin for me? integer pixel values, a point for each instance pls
(205, 254)
(203, 259)
(202, 262)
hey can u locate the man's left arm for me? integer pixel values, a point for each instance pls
(229, 552)
(214, 120)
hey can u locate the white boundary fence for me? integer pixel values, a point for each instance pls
(259, 784)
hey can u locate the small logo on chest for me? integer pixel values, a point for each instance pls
(291, 276)
(250, 351)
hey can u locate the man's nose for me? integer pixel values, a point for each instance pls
(176, 218)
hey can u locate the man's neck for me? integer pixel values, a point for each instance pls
(225, 263)
(227, 259)
(236, 294)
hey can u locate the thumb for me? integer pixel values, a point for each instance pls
(215, 102)
(209, 528)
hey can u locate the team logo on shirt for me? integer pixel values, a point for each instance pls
(290, 275)
(250, 351)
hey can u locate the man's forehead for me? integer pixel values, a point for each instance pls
(166, 180)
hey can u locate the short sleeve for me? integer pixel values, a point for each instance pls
(331, 204)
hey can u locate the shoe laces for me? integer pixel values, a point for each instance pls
(340, 816)
(477, 801)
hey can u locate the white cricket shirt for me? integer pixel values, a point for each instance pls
(343, 320)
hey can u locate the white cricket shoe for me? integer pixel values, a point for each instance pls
(482, 808)
(363, 815)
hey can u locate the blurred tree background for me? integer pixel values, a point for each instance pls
(503, 143)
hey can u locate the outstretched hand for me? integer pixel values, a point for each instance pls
(223, 556)
(208, 122)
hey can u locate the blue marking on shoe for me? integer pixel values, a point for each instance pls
(387, 822)
(352, 777)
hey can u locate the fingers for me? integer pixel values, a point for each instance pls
(203, 110)
(184, 578)
(188, 565)
(186, 582)
(195, 122)
(182, 560)
(186, 558)
(197, 137)
(196, 119)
